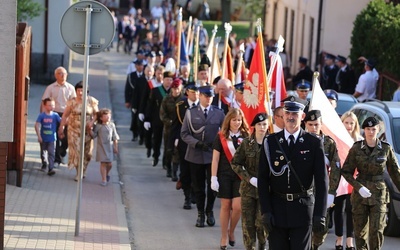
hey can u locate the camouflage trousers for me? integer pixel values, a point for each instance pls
(369, 222)
(252, 226)
(318, 238)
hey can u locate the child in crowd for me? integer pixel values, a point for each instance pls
(46, 129)
(107, 143)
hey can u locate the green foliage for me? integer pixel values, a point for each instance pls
(254, 7)
(240, 28)
(376, 34)
(27, 9)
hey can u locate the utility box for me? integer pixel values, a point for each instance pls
(16, 149)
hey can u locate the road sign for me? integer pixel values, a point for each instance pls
(73, 27)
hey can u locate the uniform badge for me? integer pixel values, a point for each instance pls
(281, 158)
(276, 163)
(281, 140)
(301, 139)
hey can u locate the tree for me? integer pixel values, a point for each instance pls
(28, 9)
(256, 9)
(226, 11)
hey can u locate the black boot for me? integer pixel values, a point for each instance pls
(210, 218)
(200, 219)
(187, 204)
(174, 172)
(169, 170)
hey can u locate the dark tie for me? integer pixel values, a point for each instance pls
(205, 113)
(291, 142)
(193, 104)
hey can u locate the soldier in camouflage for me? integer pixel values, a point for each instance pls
(245, 164)
(313, 123)
(168, 117)
(371, 157)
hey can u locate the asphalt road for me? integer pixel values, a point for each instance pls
(155, 215)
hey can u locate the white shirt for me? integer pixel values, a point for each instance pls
(276, 129)
(61, 94)
(367, 85)
(295, 135)
(156, 12)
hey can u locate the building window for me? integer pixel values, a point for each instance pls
(310, 43)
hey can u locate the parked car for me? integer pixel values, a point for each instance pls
(388, 113)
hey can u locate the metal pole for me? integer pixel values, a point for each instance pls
(179, 31)
(83, 116)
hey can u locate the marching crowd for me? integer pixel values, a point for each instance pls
(281, 179)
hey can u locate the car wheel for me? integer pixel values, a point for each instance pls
(392, 223)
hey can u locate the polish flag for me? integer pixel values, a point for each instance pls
(332, 126)
(229, 66)
(255, 90)
(278, 80)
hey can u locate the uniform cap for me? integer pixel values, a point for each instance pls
(176, 83)
(303, 60)
(239, 87)
(341, 59)
(292, 106)
(330, 56)
(140, 52)
(191, 86)
(207, 90)
(312, 115)
(168, 74)
(303, 84)
(293, 98)
(331, 94)
(259, 118)
(138, 62)
(370, 122)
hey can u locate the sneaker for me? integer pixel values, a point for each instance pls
(103, 183)
(108, 178)
(51, 172)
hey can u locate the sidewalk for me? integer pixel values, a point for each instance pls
(41, 214)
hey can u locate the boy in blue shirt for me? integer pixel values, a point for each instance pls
(46, 129)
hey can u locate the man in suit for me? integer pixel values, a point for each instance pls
(191, 100)
(329, 73)
(152, 114)
(292, 183)
(305, 71)
(132, 82)
(345, 78)
(225, 89)
(199, 129)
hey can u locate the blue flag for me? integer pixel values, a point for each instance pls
(184, 55)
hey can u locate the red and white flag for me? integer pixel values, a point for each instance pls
(255, 90)
(278, 80)
(332, 126)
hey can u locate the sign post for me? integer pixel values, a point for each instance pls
(87, 27)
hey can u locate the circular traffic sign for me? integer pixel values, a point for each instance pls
(73, 27)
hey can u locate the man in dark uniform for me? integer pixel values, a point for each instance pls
(305, 71)
(199, 129)
(329, 72)
(132, 81)
(292, 183)
(152, 115)
(191, 100)
(345, 77)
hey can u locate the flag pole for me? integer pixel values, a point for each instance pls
(179, 31)
(264, 70)
(239, 64)
(211, 48)
(189, 33)
(196, 53)
(214, 57)
(228, 29)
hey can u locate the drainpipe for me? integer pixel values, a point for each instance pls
(317, 60)
(46, 35)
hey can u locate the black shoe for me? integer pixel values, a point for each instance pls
(169, 173)
(140, 141)
(134, 138)
(210, 219)
(44, 167)
(148, 152)
(187, 204)
(155, 162)
(200, 220)
(232, 243)
(51, 172)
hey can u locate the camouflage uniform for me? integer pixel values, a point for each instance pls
(331, 156)
(168, 117)
(371, 167)
(245, 164)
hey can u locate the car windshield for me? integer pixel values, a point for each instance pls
(396, 135)
(343, 106)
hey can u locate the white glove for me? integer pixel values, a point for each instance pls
(214, 183)
(147, 125)
(329, 201)
(253, 181)
(176, 142)
(134, 111)
(364, 192)
(141, 117)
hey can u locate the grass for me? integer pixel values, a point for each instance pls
(241, 28)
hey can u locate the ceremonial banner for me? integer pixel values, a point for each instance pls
(332, 126)
(255, 90)
(278, 80)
